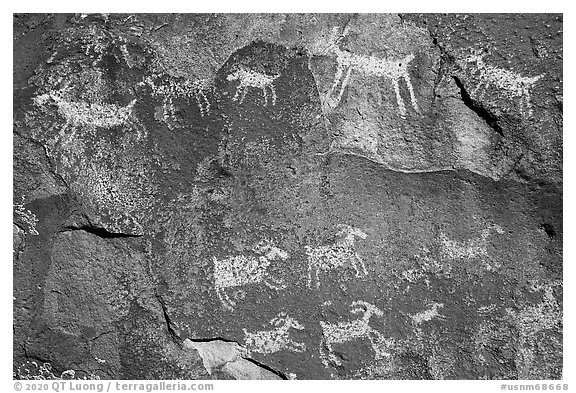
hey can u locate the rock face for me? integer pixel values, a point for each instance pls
(288, 196)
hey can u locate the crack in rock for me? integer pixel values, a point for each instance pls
(231, 358)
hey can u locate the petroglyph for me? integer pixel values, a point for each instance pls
(270, 341)
(254, 79)
(391, 69)
(512, 84)
(468, 249)
(428, 315)
(341, 332)
(240, 270)
(187, 88)
(80, 113)
(26, 217)
(335, 255)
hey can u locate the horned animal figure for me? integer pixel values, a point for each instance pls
(250, 78)
(270, 341)
(358, 329)
(391, 69)
(511, 83)
(239, 270)
(335, 255)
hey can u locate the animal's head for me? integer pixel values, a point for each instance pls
(360, 306)
(269, 251)
(408, 58)
(476, 56)
(279, 319)
(235, 74)
(286, 320)
(347, 230)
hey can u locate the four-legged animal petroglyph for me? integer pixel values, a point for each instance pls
(196, 89)
(249, 78)
(427, 315)
(239, 270)
(335, 255)
(510, 83)
(341, 332)
(270, 341)
(391, 69)
(468, 249)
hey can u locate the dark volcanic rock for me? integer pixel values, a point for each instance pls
(288, 196)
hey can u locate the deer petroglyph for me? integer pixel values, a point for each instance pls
(341, 332)
(249, 78)
(240, 270)
(270, 341)
(512, 84)
(391, 69)
(335, 255)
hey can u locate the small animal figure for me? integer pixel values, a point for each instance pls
(240, 270)
(250, 78)
(270, 341)
(335, 255)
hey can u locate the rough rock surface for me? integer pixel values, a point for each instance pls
(288, 196)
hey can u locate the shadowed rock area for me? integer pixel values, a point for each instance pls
(287, 196)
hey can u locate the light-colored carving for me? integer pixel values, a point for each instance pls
(240, 270)
(468, 249)
(335, 255)
(196, 89)
(512, 84)
(341, 332)
(428, 315)
(270, 341)
(391, 69)
(254, 79)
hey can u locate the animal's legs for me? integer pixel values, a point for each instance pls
(244, 90)
(360, 262)
(411, 90)
(399, 99)
(225, 299)
(344, 83)
(273, 95)
(265, 94)
(331, 355)
(337, 77)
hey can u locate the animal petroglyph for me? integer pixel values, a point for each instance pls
(428, 315)
(240, 270)
(468, 249)
(80, 113)
(341, 332)
(196, 89)
(270, 341)
(512, 84)
(249, 78)
(335, 255)
(391, 69)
